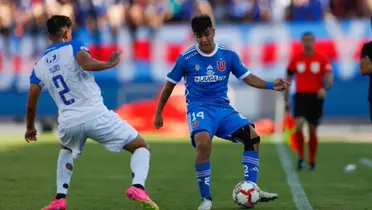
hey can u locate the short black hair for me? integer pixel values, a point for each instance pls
(56, 23)
(201, 23)
(307, 33)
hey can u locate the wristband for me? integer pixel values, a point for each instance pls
(269, 85)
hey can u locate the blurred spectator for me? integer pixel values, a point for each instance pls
(221, 14)
(348, 8)
(157, 12)
(305, 10)
(250, 10)
(116, 12)
(7, 15)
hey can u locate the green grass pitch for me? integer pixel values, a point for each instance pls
(27, 176)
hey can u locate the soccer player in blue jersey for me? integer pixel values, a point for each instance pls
(205, 68)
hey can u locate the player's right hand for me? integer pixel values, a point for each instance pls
(30, 135)
(158, 121)
(114, 58)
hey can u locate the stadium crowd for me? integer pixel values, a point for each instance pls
(27, 17)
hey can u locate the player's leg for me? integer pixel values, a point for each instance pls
(140, 165)
(237, 128)
(72, 143)
(115, 135)
(299, 114)
(313, 118)
(202, 129)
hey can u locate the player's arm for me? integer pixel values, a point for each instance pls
(328, 76)
(365, 61)
(88, 63)
(31, 107)
(242, 73)
(290, 75)
(173, 77)
(164, 96)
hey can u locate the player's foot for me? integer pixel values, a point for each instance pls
(55, 204)
(266, 197)
(312, 166)
(206, 204)
(300, 164)
(141, 197)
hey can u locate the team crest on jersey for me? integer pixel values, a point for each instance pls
(301, 67)
(221, 65)
(51, 59)
(315, 67)
(195, 124)
(197, 67)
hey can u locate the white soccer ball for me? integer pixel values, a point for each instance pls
(246, 194)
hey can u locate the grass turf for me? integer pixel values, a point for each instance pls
(27, 176)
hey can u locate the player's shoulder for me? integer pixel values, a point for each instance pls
(225, 49)
(321, 56)
(189, 53)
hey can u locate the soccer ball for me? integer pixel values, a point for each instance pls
(246, 194)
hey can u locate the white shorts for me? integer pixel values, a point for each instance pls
(109, 130)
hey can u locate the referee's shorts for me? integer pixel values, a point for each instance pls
(308, 106)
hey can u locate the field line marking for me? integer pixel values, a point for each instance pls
(298, 193)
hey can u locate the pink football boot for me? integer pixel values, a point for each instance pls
(55, 204)
(141, 196)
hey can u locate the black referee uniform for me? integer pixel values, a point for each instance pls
(367, 51)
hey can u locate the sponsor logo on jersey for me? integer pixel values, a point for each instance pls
(210, 77)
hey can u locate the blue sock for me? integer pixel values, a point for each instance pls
(203, 175)
(251, 165)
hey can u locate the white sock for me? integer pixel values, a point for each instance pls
(140, 164)
(65, 167)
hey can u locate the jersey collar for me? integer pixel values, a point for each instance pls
(207, 55)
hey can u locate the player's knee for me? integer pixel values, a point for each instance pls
(312, 129)
(248, 136)
(203, 145)
(137, 143)
(299, 124)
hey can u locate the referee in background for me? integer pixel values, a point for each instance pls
(366, 70)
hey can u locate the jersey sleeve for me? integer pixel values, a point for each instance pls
(178, 71)
(327, 66)
(77, 46)
(238, 68)
(34, 79)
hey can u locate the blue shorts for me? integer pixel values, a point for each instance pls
(217, 121)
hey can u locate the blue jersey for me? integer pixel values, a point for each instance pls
(206, 75)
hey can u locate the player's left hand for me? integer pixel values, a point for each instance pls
(31, 135)
(281, 84)
(322, 93)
